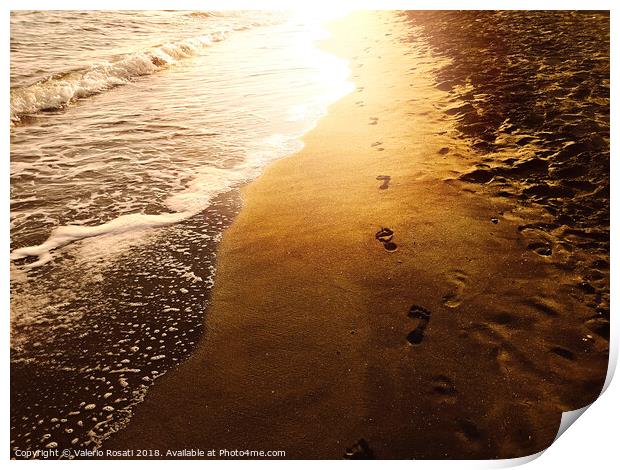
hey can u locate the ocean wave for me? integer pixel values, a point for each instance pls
(57, 91)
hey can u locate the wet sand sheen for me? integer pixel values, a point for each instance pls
(407, 312)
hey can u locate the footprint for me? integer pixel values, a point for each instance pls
(386, 181)
(504, 318)
(543, 306)
(538, 239)
(469, 431)
(563, 352)
(390, 246)
(443, 387)
(360, 103)
(599, 325)
(443, 150)
(385, 236)
(458, 281)
(373, 121)
(542, 249)
(360, 89)
(359, 451)
(511, 356)
(377, 146)
(423, 316)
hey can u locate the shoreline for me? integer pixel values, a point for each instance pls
(123, 302)
(320, 334)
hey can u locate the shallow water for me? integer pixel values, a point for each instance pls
(132, 132)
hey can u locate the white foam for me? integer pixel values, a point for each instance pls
(64, 235)
(206, 185)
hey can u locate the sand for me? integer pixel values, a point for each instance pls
(443, 336)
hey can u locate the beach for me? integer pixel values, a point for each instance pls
(129, 143)
(386, 291)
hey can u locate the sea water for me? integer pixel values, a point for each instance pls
(131, 134)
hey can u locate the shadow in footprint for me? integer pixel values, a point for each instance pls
(563, 352)
(542, 249)
(359, 451)
(377, 145)
(599, 325)
(385, 236)
(469, 431)
(386, 181)
(423, 316)
(373, 121)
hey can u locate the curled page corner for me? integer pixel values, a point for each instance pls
(568, 418)
(518, 461)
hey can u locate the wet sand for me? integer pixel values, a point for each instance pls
(366, 292)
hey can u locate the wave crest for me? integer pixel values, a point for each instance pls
(58, 91)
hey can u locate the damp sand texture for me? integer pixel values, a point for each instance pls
(369, 302)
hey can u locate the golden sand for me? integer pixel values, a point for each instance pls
(306, 346)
